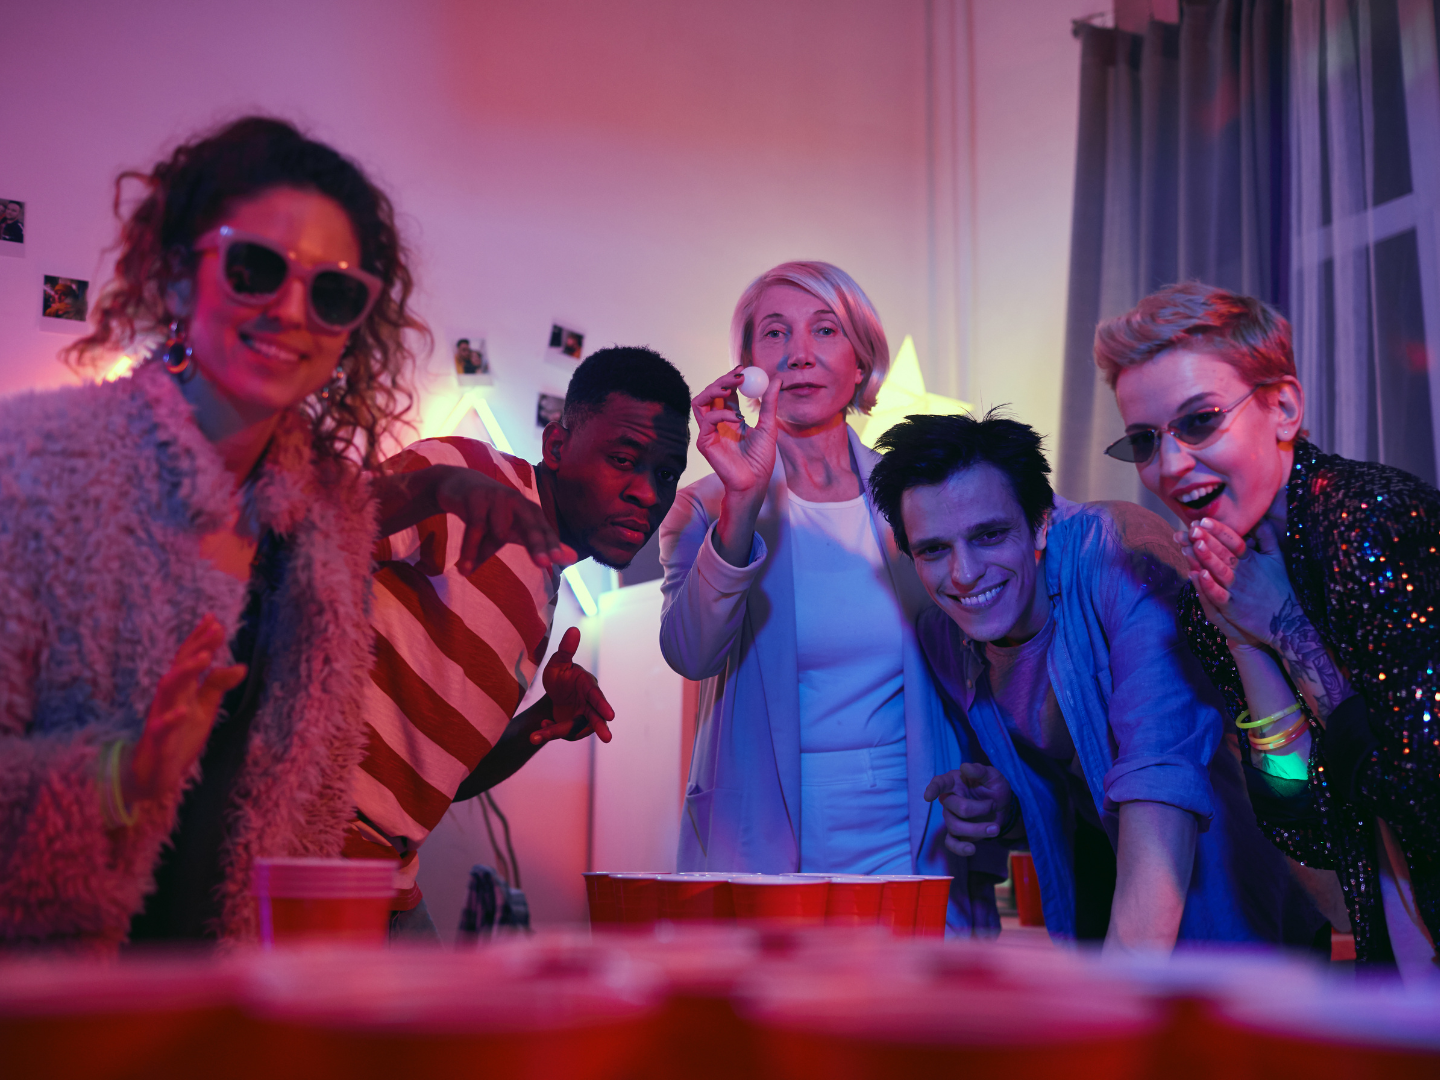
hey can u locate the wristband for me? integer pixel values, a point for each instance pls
(1271, 743)
(112, 796)
(1246, 725)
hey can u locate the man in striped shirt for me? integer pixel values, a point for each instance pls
(458, 639)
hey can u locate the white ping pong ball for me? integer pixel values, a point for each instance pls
(755, 382)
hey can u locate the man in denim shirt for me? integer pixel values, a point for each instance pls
(1054, 638)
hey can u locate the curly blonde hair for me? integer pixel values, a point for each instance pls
(189, 192)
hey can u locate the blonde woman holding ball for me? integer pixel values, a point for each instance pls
(786, 596)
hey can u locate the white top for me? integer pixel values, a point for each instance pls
(848, 630)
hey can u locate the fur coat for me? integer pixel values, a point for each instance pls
(105, 492)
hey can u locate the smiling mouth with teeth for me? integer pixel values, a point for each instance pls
(981, 598)
(1200, 497)
(274, 352)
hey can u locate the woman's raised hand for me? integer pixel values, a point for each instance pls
(741, 455)
(180, 717)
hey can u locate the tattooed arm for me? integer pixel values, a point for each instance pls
(1247, 594)
(1294, 637)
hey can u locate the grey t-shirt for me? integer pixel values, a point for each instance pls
(1020, 684)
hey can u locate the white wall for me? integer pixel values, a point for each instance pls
(1027, 75)
(637, 777)
(627, 166)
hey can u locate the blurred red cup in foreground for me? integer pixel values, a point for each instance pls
(872, 1029)
(1338, 1033)
(932, 905)
(329, 900)
(381, 1014)
(638, 897)
(696, 898)
(780, 897)
(1026, 886)
(898, 903)
(854, 901)
(604, 904)
(67, 1019)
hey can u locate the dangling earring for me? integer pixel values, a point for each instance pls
(178, 353)
(335, 388)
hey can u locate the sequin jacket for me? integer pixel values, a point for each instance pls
(1360, 547)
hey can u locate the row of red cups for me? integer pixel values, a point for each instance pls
(910, 905)
(710, 1003)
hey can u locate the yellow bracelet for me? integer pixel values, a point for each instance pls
(1271, 743)
(112, 796)
(1241, 723)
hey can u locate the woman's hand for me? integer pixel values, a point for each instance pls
(742, 456)
(1209, 555)
(975, 799)
(1247, 585)
(577, 705)
(180, 717)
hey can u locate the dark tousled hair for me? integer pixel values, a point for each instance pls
(641, 373)
(1245, 332)
(924, 450)
(190, 191)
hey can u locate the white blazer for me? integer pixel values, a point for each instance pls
(733, 629)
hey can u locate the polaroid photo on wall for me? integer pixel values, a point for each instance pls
(64, 302)
(12, 227)
(548, 407)
(470, 360)
(567, 345)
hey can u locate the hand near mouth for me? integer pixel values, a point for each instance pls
(1242, 587)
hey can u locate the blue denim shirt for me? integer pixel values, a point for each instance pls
(1145, 720)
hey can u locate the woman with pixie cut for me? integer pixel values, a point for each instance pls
(1314, 581)
(785, 594)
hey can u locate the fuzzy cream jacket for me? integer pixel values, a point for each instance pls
(105, 491)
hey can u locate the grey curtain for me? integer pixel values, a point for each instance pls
(1180, 173)
(1365, 292)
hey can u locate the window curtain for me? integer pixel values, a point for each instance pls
(1364, 140)
(1290, 151)
(1180, 173)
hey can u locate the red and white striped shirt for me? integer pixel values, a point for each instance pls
(454, 657)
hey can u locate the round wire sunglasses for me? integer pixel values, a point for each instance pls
(1193, 429)
(253, 271)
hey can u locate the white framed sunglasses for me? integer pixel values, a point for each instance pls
(253, 270)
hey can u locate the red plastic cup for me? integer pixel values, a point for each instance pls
(898, 903)
(604, 904)
(875, 1027)
(381, 1014)
(1026, 886)
(146, 1016)
(696, 898)
(932, 906)
(854, 901)
(324, 900)
(638, 897)
(780, 897)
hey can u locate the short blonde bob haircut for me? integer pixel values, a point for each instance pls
(837, 289)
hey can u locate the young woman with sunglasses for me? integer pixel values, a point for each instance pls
(216, 501)
(1314, 582)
